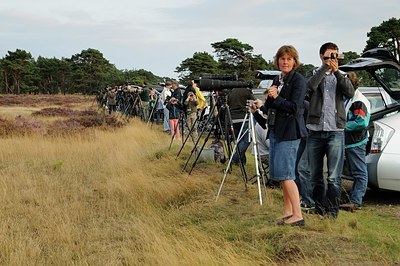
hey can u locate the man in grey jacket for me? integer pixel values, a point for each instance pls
(326, 122)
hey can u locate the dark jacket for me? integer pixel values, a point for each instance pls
(178, 95)
(289, 105)
(145, 95)
(174, 110)
(237, 101)
(315, 84)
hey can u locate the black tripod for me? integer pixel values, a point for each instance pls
(153, 110)
(131, 105)
(249, 118)
(223, 109)
(182, 124)
(191, 130)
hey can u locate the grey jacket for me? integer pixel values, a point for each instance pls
(344, 89)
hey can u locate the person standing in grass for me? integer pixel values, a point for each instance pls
(165, 97)
(201, 101)
(112, 100)
(285, 107)
(160, 109)
(145, 98)
(175, 111)
(191, 111)
(326, 122)
(356, 138)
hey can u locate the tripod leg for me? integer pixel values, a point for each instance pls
(152, 113)
(173, 136)
(253, 137)
(187, 137)
(237, 140)
(198, 139)
(226, 171)
(239, 153)
(235, 148)
(202, 147)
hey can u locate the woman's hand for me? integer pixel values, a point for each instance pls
(273, 91)
(258, 103)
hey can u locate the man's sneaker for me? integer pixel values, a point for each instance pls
(351, 207)
(307, 209)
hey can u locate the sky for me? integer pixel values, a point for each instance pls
(158, 35)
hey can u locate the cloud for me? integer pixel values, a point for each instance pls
(158, 35)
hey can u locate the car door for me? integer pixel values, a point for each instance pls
(382, 66)
(383, 148)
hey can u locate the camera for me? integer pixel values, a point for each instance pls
(208, 82)
(230, 77)
(133, 89)
(271, 117)
(335, 56)
(249, 103)
(213, 84)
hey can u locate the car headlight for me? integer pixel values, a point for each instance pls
(381, 137)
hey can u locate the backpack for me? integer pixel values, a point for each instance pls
(219, 153)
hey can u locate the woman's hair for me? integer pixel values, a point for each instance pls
(354, 79)
(288, 50)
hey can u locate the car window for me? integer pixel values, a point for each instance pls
(259, 94)
(265, 84)
(380, 100)
(377, 103)
(390, 76)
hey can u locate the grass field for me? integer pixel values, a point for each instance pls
(116, 195)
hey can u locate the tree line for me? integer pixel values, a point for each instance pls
(88, 71)
(85, 72)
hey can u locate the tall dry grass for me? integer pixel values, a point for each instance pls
(105, 199)
(118, 197)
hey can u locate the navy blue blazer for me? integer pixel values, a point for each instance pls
(289, 105)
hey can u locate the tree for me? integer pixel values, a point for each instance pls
(47, 70)
(232, 52)
(88, 69)
(192, 68)
(114, 76)
(306, 69)
(348, 56)
(5, 76)
(15, 65)
(387, 34)
(141, 77)
(64, 74)
(235, 56)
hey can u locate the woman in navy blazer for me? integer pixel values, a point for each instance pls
(285, 108)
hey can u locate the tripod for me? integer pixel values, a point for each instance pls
(194, 127)
(224, 109)
(252, 137)
(190, 134)
(153, 109)
(131, 105)
(181, 122)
